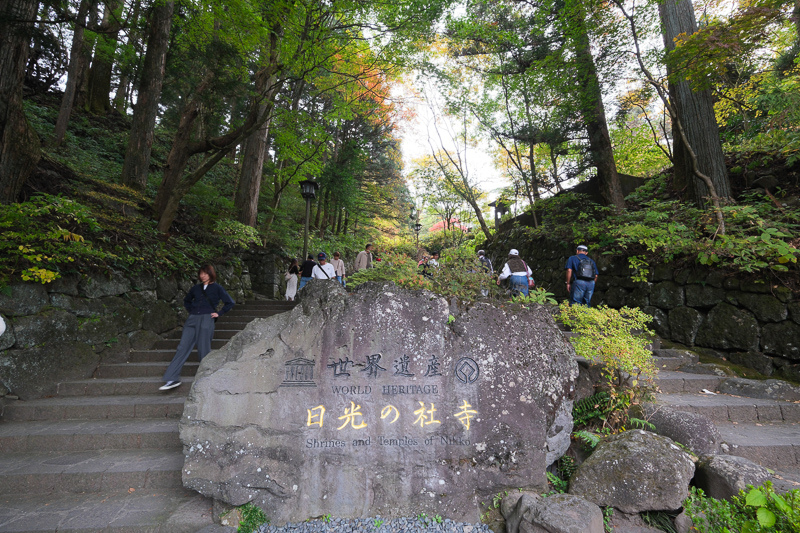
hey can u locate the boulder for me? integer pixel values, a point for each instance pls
(159, 317)
(765, 307)
(696, 432)
(25, 299)
(781, 339)
(143, 281)
(559, 513)
(635, 471)
(49, 327)
(728, 328)
(684, 322)
(376, 403)
(35, 372)
(768, 389)
(723, 476)
(666, 295)
(683, 524)
(96, 286)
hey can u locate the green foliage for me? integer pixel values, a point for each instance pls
(438, 519)
(537, 295)
(660, 520)
(616, 339)
(635, 152)
(398, 268)
(565, 467)
(588, 438)
(44, 237)
(459, 274)
(608, 514)
(377, 523)
(595, 407)
(234, 234)
(252, 518)
(754, 510)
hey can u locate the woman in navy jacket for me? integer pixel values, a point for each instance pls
(201, 301)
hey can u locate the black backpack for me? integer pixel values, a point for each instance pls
(585, 269)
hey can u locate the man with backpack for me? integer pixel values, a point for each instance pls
(581, 275)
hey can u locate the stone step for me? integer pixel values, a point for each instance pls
(117, 386)
(242, 314)
(175, 510)
(90, 471)
(172, 344)
(149, 356)
(81, 435)
(231, 323)
(218, 333)
(667, 363)
(274, 305)
(149, 369)
(723, 408)
(167, 405)
(775, 445)
(674, 382)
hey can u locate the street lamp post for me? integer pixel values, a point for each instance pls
(417, 227)
(308, 189)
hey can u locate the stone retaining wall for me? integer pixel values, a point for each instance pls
(62, 330)
(752, 323)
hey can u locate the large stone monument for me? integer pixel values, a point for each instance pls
(379, 403)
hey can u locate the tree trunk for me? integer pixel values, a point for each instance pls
(121, 97)
(19, 144)
(103, 62)
(76, 58)
(140, 140)
(594, 114)
(695, 111)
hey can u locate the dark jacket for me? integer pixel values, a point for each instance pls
(198, 303)
(308, 268)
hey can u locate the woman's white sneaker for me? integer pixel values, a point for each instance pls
(169, 385)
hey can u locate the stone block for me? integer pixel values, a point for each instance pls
(639, 296)
(684, 323)
(119, 319)
(666, 295)
(143, 281)
(728, 328)
(35, 372)
(781, 339)
(159, 317)
(97, 286)
(615, 296)
(768, 389)
(635, 471)
(143, 339)
(756, 286)
(790, 371)
(703, 296)
(66, 284)
(142, 299)
(716, 279)
(662, 272)
(25, 299)
(755, 360)
(53, 326)
(660, 323)
(166, 288)
(794, 311)
(765, 307)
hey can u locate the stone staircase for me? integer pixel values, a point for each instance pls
(765, 431)
(103, 454)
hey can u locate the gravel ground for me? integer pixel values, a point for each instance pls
(377, 525)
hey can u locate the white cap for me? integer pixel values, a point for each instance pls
(583, 247)
(513, 251)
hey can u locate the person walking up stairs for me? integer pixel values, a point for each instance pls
(104, 453)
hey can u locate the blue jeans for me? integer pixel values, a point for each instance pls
(303, 282)
(582, 291)
(518, 284)
(342, 281)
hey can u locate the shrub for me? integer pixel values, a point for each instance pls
(398, 268)
(757, 509)
(234, 234)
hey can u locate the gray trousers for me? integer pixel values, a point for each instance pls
(198, 330)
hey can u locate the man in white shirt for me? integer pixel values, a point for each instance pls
(323, 270)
